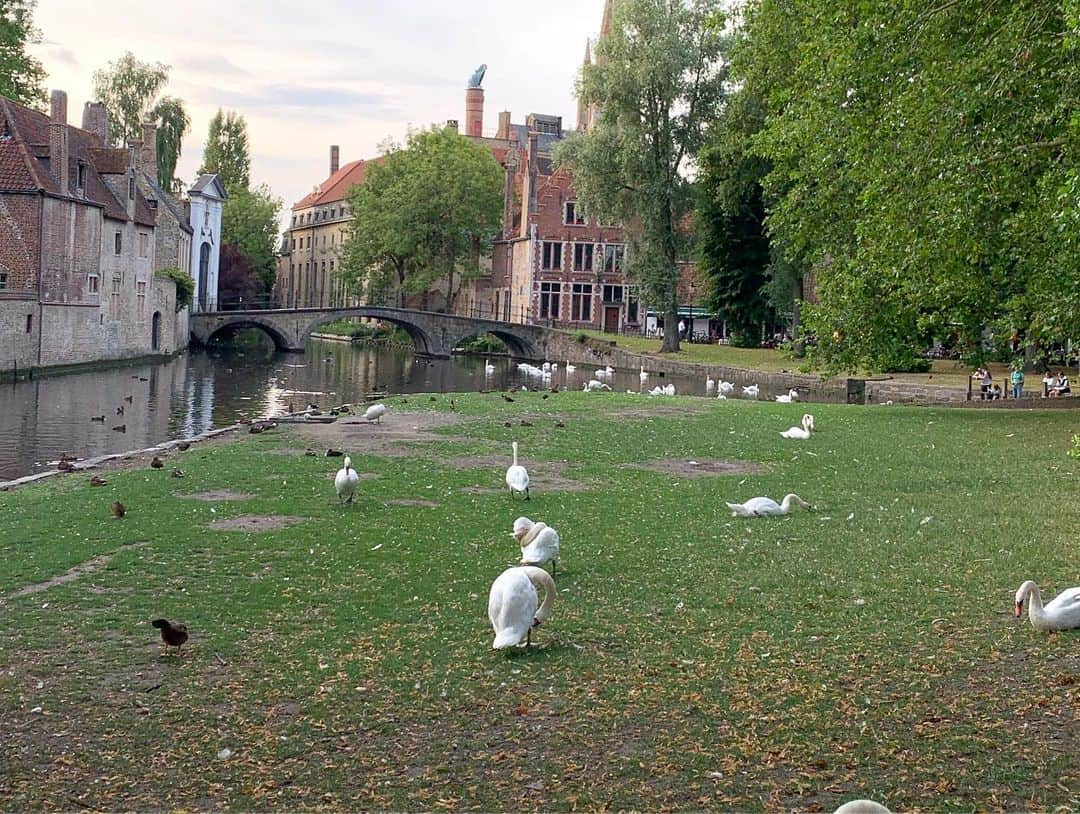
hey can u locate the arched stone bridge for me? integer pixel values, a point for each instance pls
(433, 334)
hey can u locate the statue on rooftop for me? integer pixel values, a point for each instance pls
(477, 76)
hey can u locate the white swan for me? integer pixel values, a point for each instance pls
(721, 396)
(609, 370)
(750, 391)
(1061, 613)
(569, 368)
(862, 807)
(513, 601)
(710, 385)
(669, 390)
(802, 433)
(517, 477)
(539, 542)
(643, 377)
(375, 413)
(546, 367)
(345, 481)
(766, 506)
(657, 391)
(489, 369)
(595, 384)
(725, 387)
(792, 395)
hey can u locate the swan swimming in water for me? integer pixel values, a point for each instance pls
(1060, 613)
(489, 369)
(345, 481)
(643, 377)
(750, 391)
(710, 385)
(375, 413)
(801, 433)
(539, 542)
(513, 601)
(766, 506)
(792, 395)
(569, 368)
(517, 477)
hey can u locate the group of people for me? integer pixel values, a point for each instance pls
(1053, 386)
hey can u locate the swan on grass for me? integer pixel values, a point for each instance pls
(767, 507)
(514, 604)
(792, 395)
(595, 384)
(345, 481)
(517, 477)
(539, 542)
(710, 385)
(1060, 613)
(375, 413)
(750, 391)
(802, 432)
(725, 387)
(862, 807)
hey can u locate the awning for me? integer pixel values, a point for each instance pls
(686, 311)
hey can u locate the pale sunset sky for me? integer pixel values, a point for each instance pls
(306, 75)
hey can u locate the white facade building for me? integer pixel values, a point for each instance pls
(207, 198)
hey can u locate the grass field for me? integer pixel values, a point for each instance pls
(693, 660)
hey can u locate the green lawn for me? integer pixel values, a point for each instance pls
(692, 661)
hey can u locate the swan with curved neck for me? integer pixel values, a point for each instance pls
(801, 432)
(750, 391)
(539, 542)
(1060, 613)
(517, 477)
(514, 604)
(643, 376)
(792, 395)
(767, 507)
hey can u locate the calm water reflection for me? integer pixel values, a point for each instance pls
(41, 419)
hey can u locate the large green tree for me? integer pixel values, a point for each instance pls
(657, 83)
(227, 151)
(249, 223)
(422, 216)
(21, 76)
(129, 90)
(922, 164)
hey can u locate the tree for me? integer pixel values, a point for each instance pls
(21, 75)
(237, 283)
(423, 215)
(128, 88)
(227, 152)
(656, 83)
(249, 223)
(920, 165)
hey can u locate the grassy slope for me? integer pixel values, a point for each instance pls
(692, 660)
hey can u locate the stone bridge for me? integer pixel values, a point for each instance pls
(433, 334)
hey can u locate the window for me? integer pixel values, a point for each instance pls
(552, 255)
(140, 290)
(573, 216)
(631, 304)
(82, 175)
(29, 323)
(583, 256)
(131, 187)
(292, 243)
(331, 265)
(294, 220)
(93, 284)
(3, 281)
(317, 216)
(116, 285)
(581, 302)
(118, 243)
(144, 244)
(324, 241)
(613, 258)
(613, 293)
(333, 213)
(332, 236)
(549, 300)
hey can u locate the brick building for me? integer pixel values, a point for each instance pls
(77, 245)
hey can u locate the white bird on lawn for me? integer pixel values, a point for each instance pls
(513, 601)
(792, 395)
(375, 413)
(862, 807)
(766, 506)
(657, 391)
(517, 477)
(669, 390)
(750, 391)
(725, 387)
(710, 385)
(595, 384)
(1061, 613)
(569, 367)
(345, 481)
(539, 542)
(802, 433)
(489, 369)
(643, 377)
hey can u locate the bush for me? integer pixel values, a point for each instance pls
(185, 286)
(581, 337)
(483, 344)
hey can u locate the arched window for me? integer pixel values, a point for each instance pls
(204, 271)
(155, 331)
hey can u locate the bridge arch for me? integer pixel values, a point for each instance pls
(518, 346)
(268, 327)
(422, 342)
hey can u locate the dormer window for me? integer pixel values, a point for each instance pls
(81, 183)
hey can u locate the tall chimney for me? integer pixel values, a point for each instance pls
(335, 158)
(95, 120)
(504, 124)
(474, 111)
(148, 151)
(58, 139)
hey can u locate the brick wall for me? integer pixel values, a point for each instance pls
(18, 348)
(19, 219)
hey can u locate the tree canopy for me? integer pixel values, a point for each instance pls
(422, 216)
(923, 165)
(656, 84)
(227, 151)
(249, 224)
(21, 76)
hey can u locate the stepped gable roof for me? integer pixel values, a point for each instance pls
(26, 163)
(337, 186)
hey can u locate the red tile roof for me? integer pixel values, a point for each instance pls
(337, 186)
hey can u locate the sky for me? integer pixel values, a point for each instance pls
(306, 74)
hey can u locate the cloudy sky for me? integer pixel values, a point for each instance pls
(309, 74)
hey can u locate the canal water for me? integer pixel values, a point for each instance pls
(43, 418)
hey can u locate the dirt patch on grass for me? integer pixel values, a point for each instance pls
(360, 475)
(712, 467)
(81, 570)
(391, 438)
(660, 411)
(543, 475)
(215, 496)
(255, 523)
(412, 501)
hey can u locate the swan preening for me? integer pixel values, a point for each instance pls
(513, 601)
(792, 395)
(345, 481)
(375, 413)
(666, 390)
(766, 506)
(517, 477)
(725, 387)
(801, 432)
(539, 542)
(750, 391)
(595, 384)
(1060, 613)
